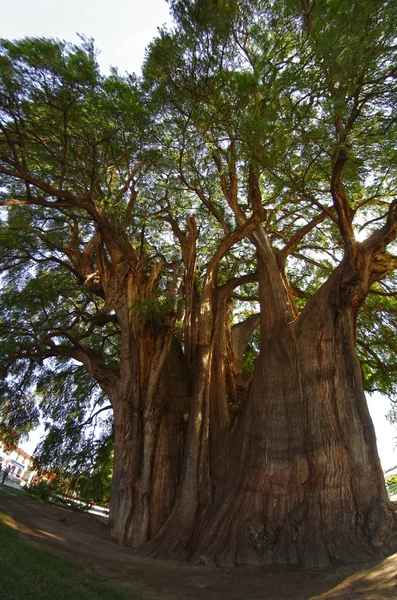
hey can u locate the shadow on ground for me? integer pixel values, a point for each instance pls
(84, 539)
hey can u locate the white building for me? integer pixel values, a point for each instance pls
(20, 462)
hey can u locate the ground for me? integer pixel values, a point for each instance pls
(84, 539)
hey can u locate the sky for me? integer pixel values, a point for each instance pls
(121, 30)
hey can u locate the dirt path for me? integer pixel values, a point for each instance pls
(84, 539)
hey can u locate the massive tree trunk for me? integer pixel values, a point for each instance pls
(294, 476)
(204, 468)
(150, 406)
(148, 447)
(196, 486)
(309, 487)
(298, 479)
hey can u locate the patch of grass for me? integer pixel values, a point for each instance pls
(33, 574)
(7, 490)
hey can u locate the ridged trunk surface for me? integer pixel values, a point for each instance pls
(310, 487)
(298, 478)
(148, 449)
(294, 476)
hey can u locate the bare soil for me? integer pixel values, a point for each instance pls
(84, 539)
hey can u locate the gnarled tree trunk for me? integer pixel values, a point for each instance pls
(310, 487)
(148, 451)
(300, 479)
(150, 410)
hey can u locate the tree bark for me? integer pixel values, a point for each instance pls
(148, 450)
(150, 406)
(300, 479)
(310, 487)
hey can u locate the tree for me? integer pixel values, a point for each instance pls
(153, 226)
(77, 449)
(19, 415)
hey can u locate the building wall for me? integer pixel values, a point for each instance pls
(21, 464)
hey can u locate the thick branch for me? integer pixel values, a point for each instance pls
(63, 198)
(345, 216)
(296, 239)
(107, 377)
(227, 288)
(386, 234)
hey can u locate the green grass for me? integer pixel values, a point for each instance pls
(7, 490)
(29, 573)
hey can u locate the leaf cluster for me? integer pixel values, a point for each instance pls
(94, 167)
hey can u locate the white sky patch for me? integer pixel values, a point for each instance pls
(360, 234)
(386, 433)
(121, 28)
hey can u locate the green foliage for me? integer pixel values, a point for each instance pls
(78, 491)
(151, 308)
(251, 354)
(285, 87)
(18, 416)
(391, 485)
(99, 177)
(79, 459)
(392, 480)
(66, 109)
(43, 489)
(378, 351)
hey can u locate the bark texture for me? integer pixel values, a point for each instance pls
(297, 478)
(262, 141)
(148, 454)
(310, 487)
